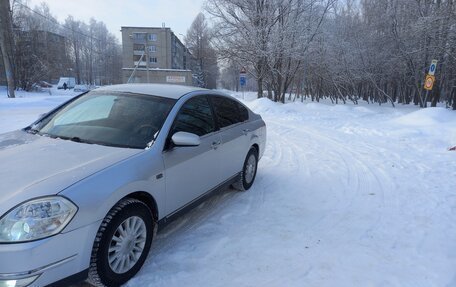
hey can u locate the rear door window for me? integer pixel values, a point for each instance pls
(228, 112)
(243, 112)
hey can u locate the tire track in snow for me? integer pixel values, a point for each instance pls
(359, 184)
(326, 161)
(362, 180)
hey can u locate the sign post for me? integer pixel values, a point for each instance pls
(429, 81)
(242, 80)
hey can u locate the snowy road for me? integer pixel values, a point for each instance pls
(344, 196)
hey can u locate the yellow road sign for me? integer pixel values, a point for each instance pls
(429, 82)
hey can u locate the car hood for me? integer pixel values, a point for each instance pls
(33, 165)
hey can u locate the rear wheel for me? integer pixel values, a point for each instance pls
(248, 172)
(122, 243)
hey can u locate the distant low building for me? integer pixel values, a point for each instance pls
(42, 52)
(154, 55)
(39, 56)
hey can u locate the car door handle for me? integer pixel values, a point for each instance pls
(245, 131)
(215, 144)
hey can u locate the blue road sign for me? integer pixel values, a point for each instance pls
(242, 80)
(433, 67)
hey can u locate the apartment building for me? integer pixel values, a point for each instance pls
(42, 51)
(154, 55)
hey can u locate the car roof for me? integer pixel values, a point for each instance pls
(161, 90)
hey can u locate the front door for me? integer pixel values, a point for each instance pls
(192, 171)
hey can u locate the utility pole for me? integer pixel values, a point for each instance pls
(6, 44)
(146, 51)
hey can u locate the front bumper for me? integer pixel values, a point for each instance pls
(48, 260)
(26, 278)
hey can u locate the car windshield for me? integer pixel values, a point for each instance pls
(107, 118)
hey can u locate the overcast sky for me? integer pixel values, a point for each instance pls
(176, 14)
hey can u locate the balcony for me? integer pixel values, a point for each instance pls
(141, 64)
(138, 52)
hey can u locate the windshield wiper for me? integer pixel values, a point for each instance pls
(79, 140)
(73, 139)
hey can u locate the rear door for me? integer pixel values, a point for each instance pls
(192, 171)
(231, 117)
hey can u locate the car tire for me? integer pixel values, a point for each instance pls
(249, 170)
(122, 243)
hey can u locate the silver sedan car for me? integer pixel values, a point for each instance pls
(85, 188)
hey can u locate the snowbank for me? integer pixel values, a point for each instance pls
(19, 112)
(428, 117)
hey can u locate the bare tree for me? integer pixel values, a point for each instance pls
(198, 41)
(243, 32)
(299, 23)
(95, 53)
(271, 37)
(6, 44)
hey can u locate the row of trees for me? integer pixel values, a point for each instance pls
(42, 49)
(271, 37)
(378, 51)
(95, 53)
(350, 50)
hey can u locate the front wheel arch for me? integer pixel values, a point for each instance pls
(146, 198)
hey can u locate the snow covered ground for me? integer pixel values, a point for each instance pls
(27, 107)
(345, 196)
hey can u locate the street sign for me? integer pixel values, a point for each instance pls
(242, 80)
(429, 82)
(175, 79)
(242, 77)
(433, 67)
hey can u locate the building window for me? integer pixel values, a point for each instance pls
(153, 59)
(152, 37)
(152, 49)
(139, 35)
(139, 38)
(139, 47)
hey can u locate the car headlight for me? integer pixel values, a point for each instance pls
(36, 219)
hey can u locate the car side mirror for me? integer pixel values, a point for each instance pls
(185, 139)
